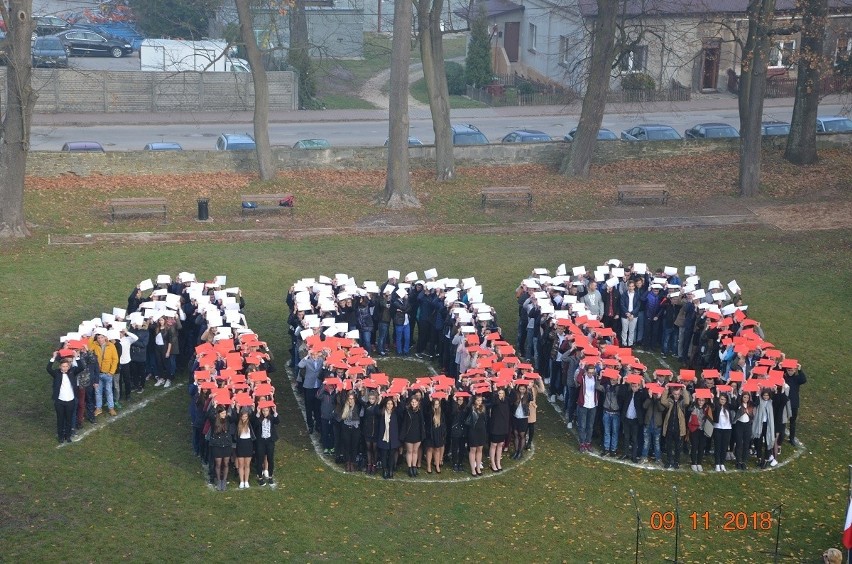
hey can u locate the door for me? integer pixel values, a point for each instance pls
(710, 64)
(511, 39)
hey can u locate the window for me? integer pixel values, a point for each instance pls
(843, 51)
(532, 41)
(564, 47)
(781, 54)
(633, 59)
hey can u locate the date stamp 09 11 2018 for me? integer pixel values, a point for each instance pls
(731, 521)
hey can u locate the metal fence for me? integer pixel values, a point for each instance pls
(497, 95)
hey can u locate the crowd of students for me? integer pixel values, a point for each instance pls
(484, 403)
(736, 396)
(168, 326)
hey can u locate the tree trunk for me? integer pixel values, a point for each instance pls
(752, 89)
(398, 193)
(432, 56)
(265, 164)
(579, 159)
(15, 132)
(801, 143)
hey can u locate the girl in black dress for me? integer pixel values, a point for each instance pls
(520, 403)
(436, 436)
(498, 428)
(477, 433)
(220, 438)
(412, 429)
(245, 446)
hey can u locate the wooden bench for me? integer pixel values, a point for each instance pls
(628, 193)
(127, 207)
(507, 194)
(266, 202)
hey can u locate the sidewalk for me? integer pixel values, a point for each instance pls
(720, 101)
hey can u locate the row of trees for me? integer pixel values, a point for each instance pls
(607, 41)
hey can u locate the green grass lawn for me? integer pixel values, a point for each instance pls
(132, 490)
(419, 92)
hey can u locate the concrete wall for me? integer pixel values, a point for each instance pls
(42, 163)
(68, 90)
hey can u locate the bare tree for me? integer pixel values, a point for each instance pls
(801, 142)
(398, 192)
(432, 56)
(755, 60)
(579, 159)
(266, 166)
(15, 131)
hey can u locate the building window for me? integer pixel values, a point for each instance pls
(633, 59)
(564, 48)
(532, 40)
(781, 54)
(843, 52)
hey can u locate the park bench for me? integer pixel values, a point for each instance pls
(507, 194)
(267, 202)
(127, 207)
(642, 193)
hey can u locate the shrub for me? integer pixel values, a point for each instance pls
(638, 81)
(455, 78)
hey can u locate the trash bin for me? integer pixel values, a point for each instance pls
(203, 209)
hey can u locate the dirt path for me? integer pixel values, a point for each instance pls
(373, 89)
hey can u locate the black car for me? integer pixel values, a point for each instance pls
(711, 131)
(83, 42)
(604, 134)
(774, 128)
(527, 136)
(49, 25)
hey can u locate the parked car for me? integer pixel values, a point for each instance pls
(467, 134)
(163, 146)
(83, 42)
(82, 147)
(235, 142)
(604, 134)
(527, 136)
(773, 128)
(49, 25)
(49, 52)
(711, 131)
(834, 124)
(312, 144)
(651, 132)
(412, 142)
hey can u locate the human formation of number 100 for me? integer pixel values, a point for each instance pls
(733, 520)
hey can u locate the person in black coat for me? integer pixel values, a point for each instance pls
(476, 421)
(370, 428)
(458, 431)
(795, 378)
(631, 401)
(265, 423)
(387, 436)
(412, 429)
(436, 435)
(63, 393)
(498, 427)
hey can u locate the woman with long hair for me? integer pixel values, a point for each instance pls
(412, 429)
(350, 421)
(387, 436)
(520, 406)
(763, 428)
(723, 418)
(476, 422)
(742, 430)
(369, 429)
(699, 413)
(498, 428)
(245, 446)
(220, 439)
(436, 436)
(458, 431)
(265, 429)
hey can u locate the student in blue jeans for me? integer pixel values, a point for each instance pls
(654, 410)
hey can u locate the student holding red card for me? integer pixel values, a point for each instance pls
(220, 439)
(476, 422)
(724, 416)
(498, 428)
(742, 430)
(700, 414)
(245, 445)
(265, 424)
(412, 429)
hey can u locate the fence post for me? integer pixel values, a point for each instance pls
(201, 104)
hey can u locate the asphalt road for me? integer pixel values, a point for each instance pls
(373, 130)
